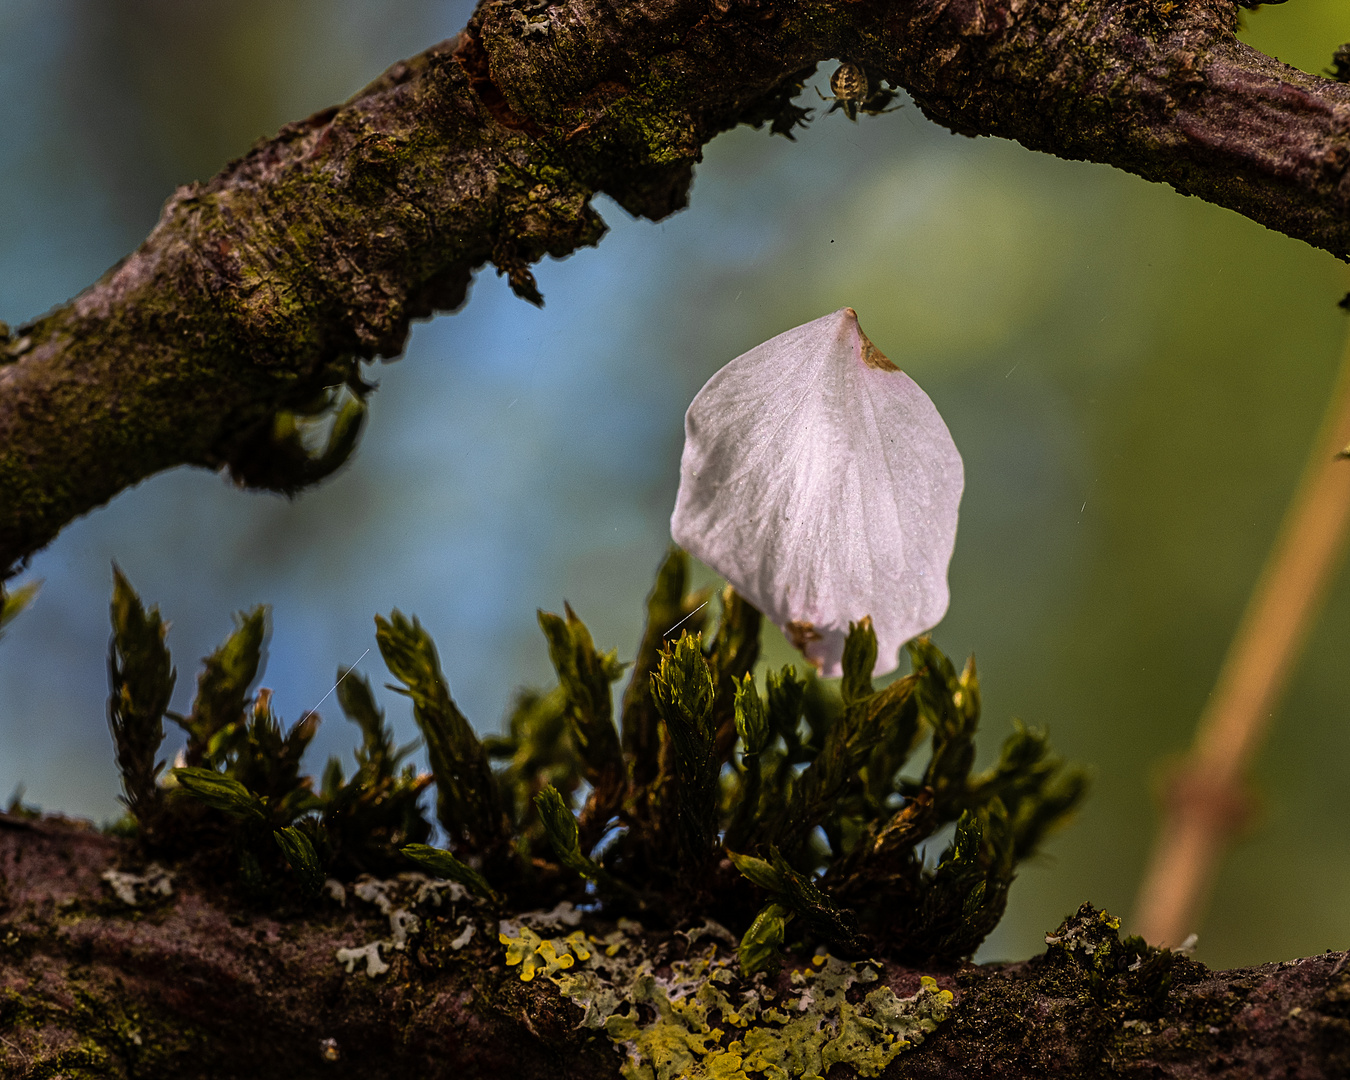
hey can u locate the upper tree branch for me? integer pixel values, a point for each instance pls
(262, 286)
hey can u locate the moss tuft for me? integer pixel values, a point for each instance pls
(795, 816)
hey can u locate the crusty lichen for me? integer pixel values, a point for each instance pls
(697, 1018)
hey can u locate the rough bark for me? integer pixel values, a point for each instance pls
(263, 285)
(194, 985)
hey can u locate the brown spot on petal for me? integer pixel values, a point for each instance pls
(801, 634)
(871, 355)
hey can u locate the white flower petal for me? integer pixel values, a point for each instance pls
(821, 482)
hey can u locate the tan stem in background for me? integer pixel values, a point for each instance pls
(1207, 800)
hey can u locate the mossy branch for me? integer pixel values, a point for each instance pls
(249, 859)
(222, 340)
(195, 986)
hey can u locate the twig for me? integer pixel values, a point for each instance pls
(1207, 802)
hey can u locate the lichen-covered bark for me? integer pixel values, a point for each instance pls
(196, 985)
(263, 285)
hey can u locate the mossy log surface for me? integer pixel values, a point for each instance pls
(263, 285)
(187, 985)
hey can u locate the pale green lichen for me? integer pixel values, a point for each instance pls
(136, 889)
(395, 898)
(536, 954)
(370, 954)
(697, 1018)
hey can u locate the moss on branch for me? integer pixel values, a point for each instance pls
(187, 985)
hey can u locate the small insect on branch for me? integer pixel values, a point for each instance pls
(854, 92)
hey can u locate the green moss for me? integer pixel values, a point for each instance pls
(814, 784)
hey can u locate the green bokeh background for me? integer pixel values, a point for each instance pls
(1133, 378)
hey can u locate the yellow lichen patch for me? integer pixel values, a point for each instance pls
(537, 955)
(699, 1020)
(678, 1043)
(696, 1018)
(598, 999)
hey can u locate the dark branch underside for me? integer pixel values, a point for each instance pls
(187, 986)
(262, 286)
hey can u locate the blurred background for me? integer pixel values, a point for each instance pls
(1133, 378)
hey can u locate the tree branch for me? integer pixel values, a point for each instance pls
(194, 985)
(263, 286)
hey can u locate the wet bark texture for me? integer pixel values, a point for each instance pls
(187, 986)
(265, 284)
